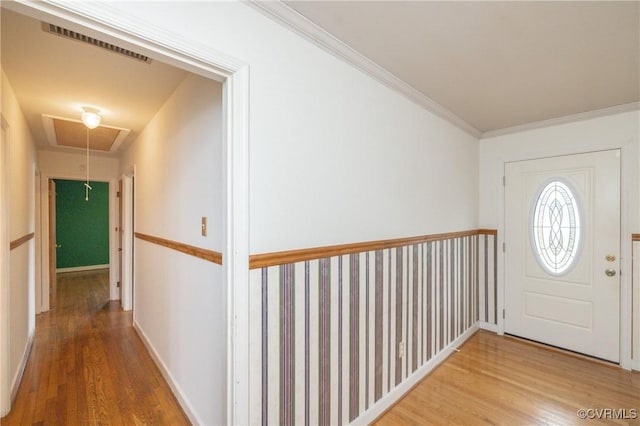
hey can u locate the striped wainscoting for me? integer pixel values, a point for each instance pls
(488, 277)
(332, 335)
(635, 325)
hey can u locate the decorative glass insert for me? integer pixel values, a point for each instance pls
(555, 228)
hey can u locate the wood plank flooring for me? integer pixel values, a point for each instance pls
(497, 380)
(88, 366)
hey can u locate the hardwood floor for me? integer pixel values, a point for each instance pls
(88, 366)
(506, 381)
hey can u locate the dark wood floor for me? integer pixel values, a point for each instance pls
(88, 366)
(497, 380)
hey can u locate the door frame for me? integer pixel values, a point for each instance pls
(52, 243)
(46, 243)
(128, 252)
(101, 20)
(5, 329)
(626, 300)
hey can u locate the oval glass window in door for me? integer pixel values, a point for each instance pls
(555, 227)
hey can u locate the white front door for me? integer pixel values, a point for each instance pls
(562, 252)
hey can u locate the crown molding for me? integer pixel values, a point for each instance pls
(618, 109)
(288, 17)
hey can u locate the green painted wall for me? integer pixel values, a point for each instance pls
(82, 227)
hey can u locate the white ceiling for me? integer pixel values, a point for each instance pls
(56, 76)
(494, 64)
(487, 65)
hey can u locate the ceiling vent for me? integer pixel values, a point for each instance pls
(66, 33)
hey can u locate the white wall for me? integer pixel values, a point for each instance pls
(178, 162)
(179, 300)
(72, 165)
(21, 199)
(608, 132)
(335, 156)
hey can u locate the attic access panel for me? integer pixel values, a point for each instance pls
(68, 133)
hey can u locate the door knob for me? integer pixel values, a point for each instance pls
(610, 272)
(610, 258)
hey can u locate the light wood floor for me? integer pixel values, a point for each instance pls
(497, 380)
(88, 366)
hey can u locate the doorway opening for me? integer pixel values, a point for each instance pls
(78, 230)
(86, 242)
(234, 160)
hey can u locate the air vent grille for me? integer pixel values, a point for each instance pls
(66, 33)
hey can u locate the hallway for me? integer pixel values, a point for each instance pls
(88, 366)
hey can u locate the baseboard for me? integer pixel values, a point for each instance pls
(82, 268)
(488, 326)
(175, 388)
(17, 379)
(399, 391)
(635, 364)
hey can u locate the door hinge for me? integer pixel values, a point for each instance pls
(503, 313)
(503, 247)
(118, 285)
(504, 181)
(118, 194)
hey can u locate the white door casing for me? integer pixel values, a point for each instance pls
(5, 329)
(127, 249)
(577, 307)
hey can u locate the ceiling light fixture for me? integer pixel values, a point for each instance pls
(91, 119)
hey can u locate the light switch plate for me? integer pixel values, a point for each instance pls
(204, 226)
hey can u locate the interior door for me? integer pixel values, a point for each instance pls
(53, 245)
(562, 249)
